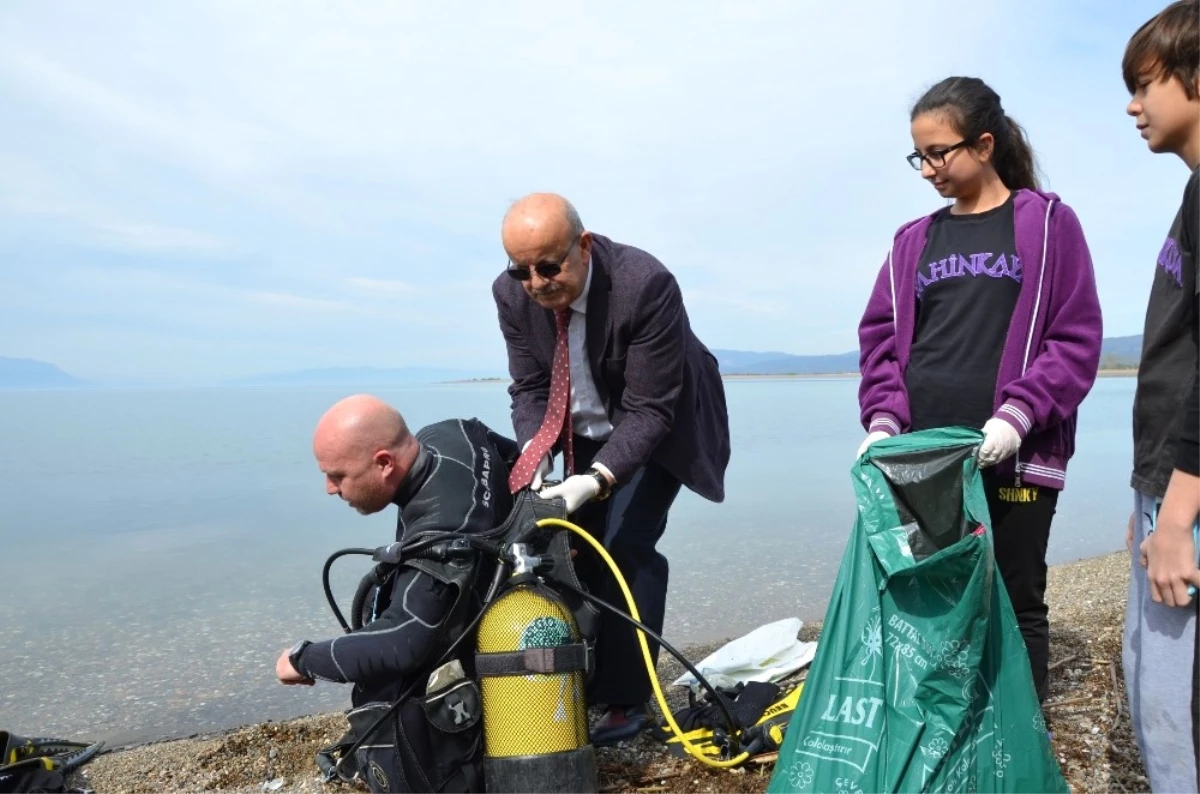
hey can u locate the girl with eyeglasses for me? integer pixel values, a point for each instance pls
(985, 315)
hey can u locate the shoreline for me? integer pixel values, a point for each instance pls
(108, 388)
(1086, 704)
(701, 646)
(1103, 373)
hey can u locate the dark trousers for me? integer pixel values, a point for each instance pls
(1020, 532)
(628, 524)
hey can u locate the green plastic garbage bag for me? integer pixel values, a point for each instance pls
(921, 681)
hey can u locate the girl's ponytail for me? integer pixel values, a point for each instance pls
(974, 108)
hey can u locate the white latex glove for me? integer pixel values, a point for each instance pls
(575, 491)
(544, 467)
(1000, 441)
(871, 438)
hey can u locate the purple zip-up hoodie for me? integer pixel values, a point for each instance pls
(1051, 353)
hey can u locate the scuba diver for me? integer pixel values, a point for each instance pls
(448, 477)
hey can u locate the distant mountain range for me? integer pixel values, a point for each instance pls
(1121, 352)
(27, 373)
(741, 362)
(364, 376)
(1118, 352)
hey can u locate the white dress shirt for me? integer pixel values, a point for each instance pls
(588, 416)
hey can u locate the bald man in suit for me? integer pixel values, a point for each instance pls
(607, 372)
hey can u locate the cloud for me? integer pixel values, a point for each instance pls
(32, 196)
(161, 238)
(156, 284)
(377, 286)
(212, 141)
(95, 227)
(755, 304)
(311, 169)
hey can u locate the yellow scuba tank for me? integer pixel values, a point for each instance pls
(531, 664)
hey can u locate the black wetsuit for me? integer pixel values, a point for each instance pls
(458, 484)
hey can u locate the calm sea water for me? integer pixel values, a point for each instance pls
(160, 548)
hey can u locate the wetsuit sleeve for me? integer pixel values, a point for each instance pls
(1188, 456)
(882, 396)
(653, 377)
(398, 642)
(1062, 372)
(530, 386)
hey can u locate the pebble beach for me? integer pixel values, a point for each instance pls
(1086, 710)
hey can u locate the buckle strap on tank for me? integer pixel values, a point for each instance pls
(553, 659)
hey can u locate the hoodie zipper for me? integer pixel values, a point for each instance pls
(892, 284)
(1037, 303)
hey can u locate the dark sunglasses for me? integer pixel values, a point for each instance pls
(546, 270)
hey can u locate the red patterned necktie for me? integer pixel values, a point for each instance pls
(558, 415)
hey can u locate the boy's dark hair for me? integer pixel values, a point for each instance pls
(974, 108)
(1170, 44)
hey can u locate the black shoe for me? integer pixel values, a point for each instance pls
(619, 724)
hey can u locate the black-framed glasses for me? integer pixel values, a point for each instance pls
(546, 270)
(936, 158)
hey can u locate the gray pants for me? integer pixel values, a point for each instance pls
(1159, 657)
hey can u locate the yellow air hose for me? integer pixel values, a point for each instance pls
(692, 749)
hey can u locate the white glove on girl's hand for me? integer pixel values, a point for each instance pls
(575, 491)
(1000, 441)
(871, 438)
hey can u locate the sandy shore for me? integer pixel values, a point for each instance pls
(1086, 710)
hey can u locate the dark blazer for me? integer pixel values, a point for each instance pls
(661, 386)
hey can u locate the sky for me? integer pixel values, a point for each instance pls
(196, 191)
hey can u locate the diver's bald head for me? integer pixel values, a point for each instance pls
(361, 422)
(545, 229)
(365, 450)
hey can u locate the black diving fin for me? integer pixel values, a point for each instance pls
(57, 755)
(40, 764)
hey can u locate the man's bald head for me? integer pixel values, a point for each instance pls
(545, 229)
(361, 422)
(540, 216)
(365, 450)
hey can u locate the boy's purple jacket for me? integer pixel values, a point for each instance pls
(1051, 353)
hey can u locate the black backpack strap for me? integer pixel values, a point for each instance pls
(329, 756)
(547, 660)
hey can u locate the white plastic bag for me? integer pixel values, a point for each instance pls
(769, 653)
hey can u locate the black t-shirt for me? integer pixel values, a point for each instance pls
(967, 286)
(1167, 374)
